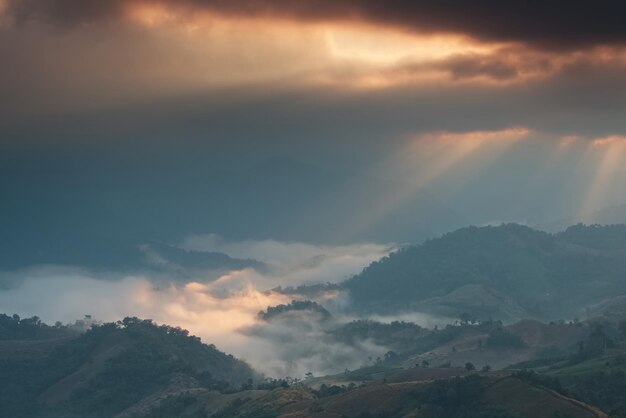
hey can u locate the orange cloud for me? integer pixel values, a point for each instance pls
(619, 140)
(568, 140)
(478, 136)
(148, 49)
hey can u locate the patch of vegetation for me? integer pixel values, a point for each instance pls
(457, 397)
(240, 408)
(606, 390)
(332, 390)
(499, 338)
(174, 406)
(15, 328)
(295, 306)
(271, 384)
(537, 379)
(595, 375)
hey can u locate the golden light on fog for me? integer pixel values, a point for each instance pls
(202, 309)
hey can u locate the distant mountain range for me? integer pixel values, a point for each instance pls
(164, 263)
(178, 263)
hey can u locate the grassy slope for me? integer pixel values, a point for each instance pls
(474, 397)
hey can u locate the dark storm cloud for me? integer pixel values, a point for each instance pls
(548, 24)
(212, 156)
(64, 12)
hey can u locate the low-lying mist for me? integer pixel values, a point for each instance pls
(222, 310)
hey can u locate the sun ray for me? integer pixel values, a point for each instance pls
(428, 158)
(610, 152)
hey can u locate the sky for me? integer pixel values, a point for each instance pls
(313, 121)
(328, 124)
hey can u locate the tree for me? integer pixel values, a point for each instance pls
(425, 363)
(486, 368)
(390, 355)
(466, 318)
(469, 367)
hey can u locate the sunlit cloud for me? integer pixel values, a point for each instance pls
(154, 15)
(385, 46)
(568, 141)
(139, 50)
(613, 140)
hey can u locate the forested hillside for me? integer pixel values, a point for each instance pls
(505, 272)
(106, 370)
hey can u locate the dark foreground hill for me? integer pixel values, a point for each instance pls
(507, 272)
(136, 369)
(110, 370)
(473, 396)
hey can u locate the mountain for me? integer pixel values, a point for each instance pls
(506, 272)
(109, 370)
(180, 263)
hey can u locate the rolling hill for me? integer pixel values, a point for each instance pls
(136, 369)
(506, 272)
(110, 369)
(471, 396)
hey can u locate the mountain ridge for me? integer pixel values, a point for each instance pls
(550, 276)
